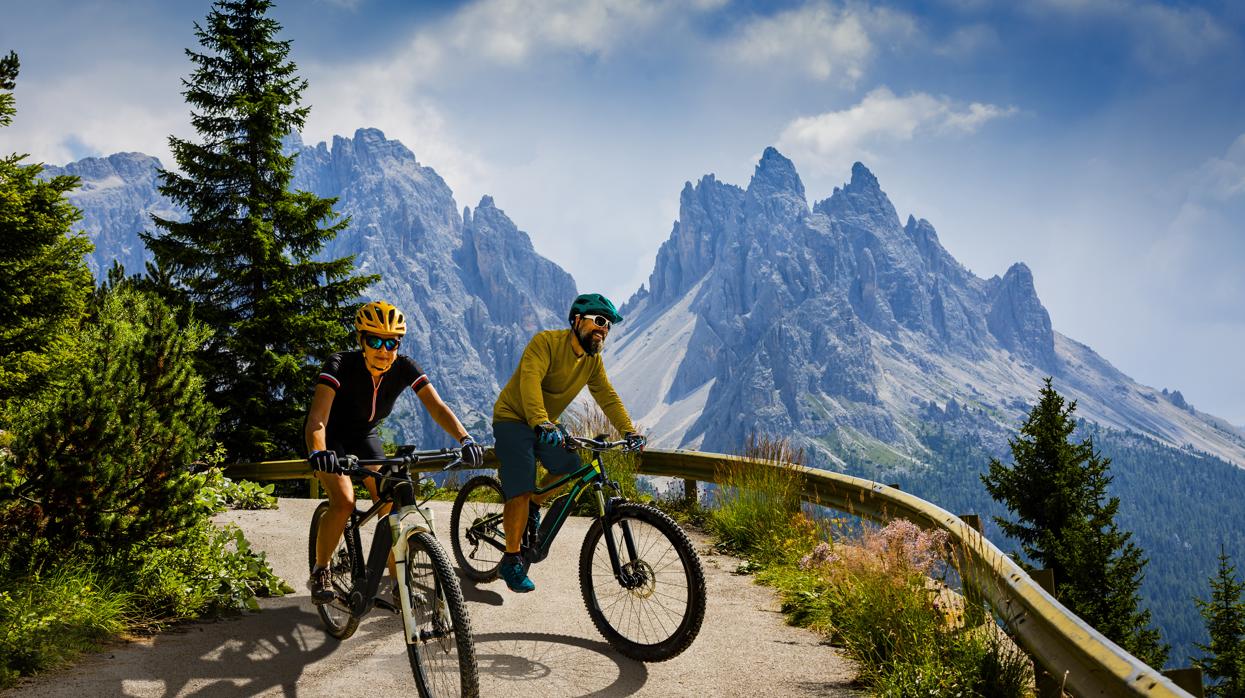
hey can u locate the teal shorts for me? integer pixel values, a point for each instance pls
(517, 449)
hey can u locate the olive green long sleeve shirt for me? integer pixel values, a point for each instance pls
(548, 378)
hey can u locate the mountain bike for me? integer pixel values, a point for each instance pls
(641, 579)
(436, 626)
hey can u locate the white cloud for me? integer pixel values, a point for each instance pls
(883, 116)
(821, 39)
(511, 31)
(92, 113)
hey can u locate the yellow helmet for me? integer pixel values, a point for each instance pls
(379, 317)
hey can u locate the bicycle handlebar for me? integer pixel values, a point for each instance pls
(597, 444)
(357, 466)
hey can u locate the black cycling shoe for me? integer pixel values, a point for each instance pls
(321, 585)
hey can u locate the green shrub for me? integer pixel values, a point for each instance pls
(46, 619)
(104, 523)
(757, 505)
(215, 571)
(98, 462)
(874, 596)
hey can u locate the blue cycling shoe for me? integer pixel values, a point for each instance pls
(512, 572)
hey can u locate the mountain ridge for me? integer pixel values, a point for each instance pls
(753, 278)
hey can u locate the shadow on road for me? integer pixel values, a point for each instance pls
(474, 593)
(532, 661)
(243, 656)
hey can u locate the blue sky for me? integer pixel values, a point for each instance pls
(1102, 142)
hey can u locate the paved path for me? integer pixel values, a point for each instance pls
(541, 643)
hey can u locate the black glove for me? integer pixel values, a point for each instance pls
(324, 461)
(635, 442)
(472, 454)
(550, 433)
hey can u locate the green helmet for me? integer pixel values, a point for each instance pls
(594, 304)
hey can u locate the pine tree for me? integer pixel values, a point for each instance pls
(1066, 523)
(1224, 658)
(105, 460)
(244, 259)
(44, 280)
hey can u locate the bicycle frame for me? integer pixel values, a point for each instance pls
(390, 537)
(591, 474)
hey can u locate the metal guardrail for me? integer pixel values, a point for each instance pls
(1080, 658)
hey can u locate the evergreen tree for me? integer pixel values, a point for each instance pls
(1224, 658)
(1066, 523)
(44, 280)
(104, 461)
(244, 259)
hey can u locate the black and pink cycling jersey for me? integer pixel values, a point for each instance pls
(359, 405)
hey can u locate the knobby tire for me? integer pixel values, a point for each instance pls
(673, 600)
(479, 562)
(338, 620)
(444, 665)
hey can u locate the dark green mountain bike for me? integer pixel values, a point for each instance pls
(641, 578)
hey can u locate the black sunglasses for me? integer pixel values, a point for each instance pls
(598, 320)
(375, 342)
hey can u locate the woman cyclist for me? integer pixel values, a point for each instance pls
(355, 391)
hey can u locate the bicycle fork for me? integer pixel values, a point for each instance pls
(624, 576)
(400, 551)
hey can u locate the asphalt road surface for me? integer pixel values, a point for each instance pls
(542, 643)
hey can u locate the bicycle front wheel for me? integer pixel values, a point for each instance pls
(653, 609)
(338, 620)
(442, 651)
(476, 531)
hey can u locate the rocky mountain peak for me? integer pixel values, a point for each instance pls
(776, 173)
(776, 190)
(117, 196)
(1019, 321)
(862, 179)
(861, 197)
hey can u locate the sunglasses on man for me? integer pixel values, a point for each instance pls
(375, 342)
(598, 320)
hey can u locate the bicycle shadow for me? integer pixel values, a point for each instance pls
(562, 664)
(474, 592)
(233, 657)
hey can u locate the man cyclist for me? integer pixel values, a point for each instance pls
(355, 391)
(555, 366)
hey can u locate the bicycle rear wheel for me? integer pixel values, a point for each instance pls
(338, 619)
(442, 655)
(654, 612)
(476, 532)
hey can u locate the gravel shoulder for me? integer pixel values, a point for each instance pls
(539, 643)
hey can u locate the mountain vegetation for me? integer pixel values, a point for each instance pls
(243, 260)
(1223, 658)
(1065, 522)
(38, 321)
(104, 519)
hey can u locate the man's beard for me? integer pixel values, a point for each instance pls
(591, 341)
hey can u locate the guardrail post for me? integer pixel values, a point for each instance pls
(1189, 678)
(1046, 686)
(691, 493)
(313, 487)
